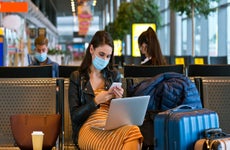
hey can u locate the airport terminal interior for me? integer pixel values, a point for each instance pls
(195, 44)
(61, 21)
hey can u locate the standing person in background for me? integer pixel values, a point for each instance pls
(41, 50)
(150, 47)
(90, 96)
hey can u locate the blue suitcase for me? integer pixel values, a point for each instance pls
(181, 127)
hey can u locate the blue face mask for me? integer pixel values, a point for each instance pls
(100, 63)
(41, 57)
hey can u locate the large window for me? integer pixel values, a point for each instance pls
(212, 38)
(228, 32)
(184, 35)
(197, 35)
(164, 37)
(164, 32)
(212, 34)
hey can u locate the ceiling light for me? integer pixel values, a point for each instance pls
(94, 2)
(73, 6)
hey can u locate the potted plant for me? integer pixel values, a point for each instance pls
(138, 11)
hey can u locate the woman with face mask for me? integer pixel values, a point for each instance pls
(41, 50)
(89, 99)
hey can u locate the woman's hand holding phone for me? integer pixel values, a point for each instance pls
(117, 89)
(116, 84)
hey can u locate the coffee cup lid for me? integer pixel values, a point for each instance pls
(37, 133)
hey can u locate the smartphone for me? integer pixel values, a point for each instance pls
(114, 84)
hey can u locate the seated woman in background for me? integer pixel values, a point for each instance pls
(150, 47)
(89, 99)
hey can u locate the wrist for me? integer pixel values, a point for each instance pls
(96, 104)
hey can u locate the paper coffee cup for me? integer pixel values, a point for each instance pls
(37, 140)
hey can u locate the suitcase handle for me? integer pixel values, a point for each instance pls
(214, 133)
(182, 107)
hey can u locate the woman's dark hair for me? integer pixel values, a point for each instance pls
(100, 38)
(149, 37)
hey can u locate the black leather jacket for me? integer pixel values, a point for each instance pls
(81, 95)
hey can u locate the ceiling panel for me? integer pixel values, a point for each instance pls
(63, 7)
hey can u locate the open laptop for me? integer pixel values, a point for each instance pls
(124, 111)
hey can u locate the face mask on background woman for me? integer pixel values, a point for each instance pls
(100, 63)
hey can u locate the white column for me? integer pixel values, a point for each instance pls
(175, 34)
(189, 38)
(128, 45)
(111, 10)
(222, 34)
(204, 37)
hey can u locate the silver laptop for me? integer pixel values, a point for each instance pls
(124, 111)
